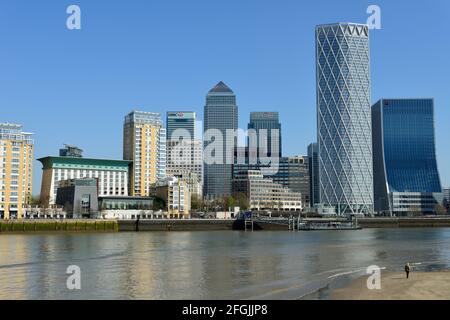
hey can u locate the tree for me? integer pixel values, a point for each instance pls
(197, 203)
(230, 203)
(242, 201)
(158, 204)
(440, 209)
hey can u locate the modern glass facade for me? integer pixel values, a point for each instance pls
(344, 120)
(290, 172)
(406, 177)
(313, 173)
(268, 133)
(183, 120)
(221, 114)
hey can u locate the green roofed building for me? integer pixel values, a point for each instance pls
(112, 175)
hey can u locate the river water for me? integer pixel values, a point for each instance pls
(208, 265)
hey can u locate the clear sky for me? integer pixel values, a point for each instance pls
(75, 86)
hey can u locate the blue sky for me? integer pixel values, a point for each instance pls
(76, 86)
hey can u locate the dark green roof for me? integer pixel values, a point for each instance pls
(83, 163)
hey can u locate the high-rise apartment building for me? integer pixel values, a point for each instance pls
(267, 128)
(16, 170)
(344, 117)
(406, 177)
(144, 143)
(314, 189)
(221, 118)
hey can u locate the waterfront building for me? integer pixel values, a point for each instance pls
(144, 143)
(344, 119)
(78, 197)
(406, 177)
(447, 198)
(112, 175)
(290, 172)
(184, 122)
(16, 170)
(314, 189)
(193, 181)
(127, 208)
(221, 115)
(175, 193)
(267, 128)
(71, 151)
(264, 194)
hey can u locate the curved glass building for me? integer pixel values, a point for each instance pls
(343, 115)
(406, 177)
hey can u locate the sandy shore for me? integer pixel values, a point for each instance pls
(395, 286)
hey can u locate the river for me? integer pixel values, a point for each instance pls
(208, 265)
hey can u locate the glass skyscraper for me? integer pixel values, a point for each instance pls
(406, 178)
(267, 127)
(313, 173)
(344, 119)
(181, 120)
(221, 114)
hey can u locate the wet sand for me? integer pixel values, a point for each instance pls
(395, 286)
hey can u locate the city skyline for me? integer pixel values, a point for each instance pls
(284, 71)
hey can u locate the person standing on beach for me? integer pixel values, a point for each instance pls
(407, 269)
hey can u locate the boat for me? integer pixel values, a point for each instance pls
(313, 226)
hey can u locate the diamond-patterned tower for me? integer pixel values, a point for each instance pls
(344, 117)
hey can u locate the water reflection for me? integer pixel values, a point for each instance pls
(205, 265)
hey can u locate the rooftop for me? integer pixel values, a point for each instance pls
(221, 87)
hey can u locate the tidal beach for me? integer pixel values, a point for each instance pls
(395, 286)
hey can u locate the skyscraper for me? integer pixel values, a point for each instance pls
(184, 158)
(406, 177)
(16, 170)
(313, 173)
(221, 115)
(183, 120)
(344, 119)
(144, 143)
(268, 133)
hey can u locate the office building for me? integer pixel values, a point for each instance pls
(184, 152)
(144, 143)
(344, 119)
(406, 177)
(447, 198)
(182, 123)
(220, 118)
(71, 151)
(112, 175)
(78, 197)
(16, 170)
(264, 194)
(314, 190)
(289, 172)
(267, 129)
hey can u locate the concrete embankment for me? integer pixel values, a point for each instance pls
(428, 222)
(178, 225)
(18, 226)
